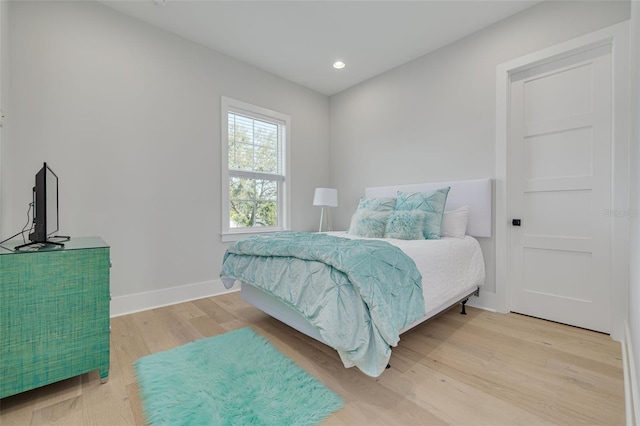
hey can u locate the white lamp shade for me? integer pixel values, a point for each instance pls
(326, 197)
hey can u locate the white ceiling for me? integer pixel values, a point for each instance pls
(300, 40)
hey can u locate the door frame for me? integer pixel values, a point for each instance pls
(615, 36)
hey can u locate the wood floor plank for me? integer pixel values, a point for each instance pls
(454, 400)
(207, 326)
(485, 339)
(179, 328)
(128, 345)
(155, 335)
(480, 369)
(67, 412)
(232, 301)
(604, 356)
(529, 386)
(17, 409)
(188, 311)
(58, 392)
(107, 404)
(136, 404)
(588, 379)
(214, 310)
(592, 345)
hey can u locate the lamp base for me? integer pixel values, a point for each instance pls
(322, 220)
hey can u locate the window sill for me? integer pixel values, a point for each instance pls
(231, 236)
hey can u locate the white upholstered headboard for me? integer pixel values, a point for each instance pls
(474, 193)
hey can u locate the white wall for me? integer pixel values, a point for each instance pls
(4, 99)
(434, 118)
(128, 116)
(634, 286)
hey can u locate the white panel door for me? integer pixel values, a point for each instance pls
(559, 183)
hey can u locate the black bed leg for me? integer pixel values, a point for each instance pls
(388, 365)
(464, 310)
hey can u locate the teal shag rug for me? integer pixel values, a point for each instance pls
(236, 378)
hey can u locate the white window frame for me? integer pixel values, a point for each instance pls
(284, 185)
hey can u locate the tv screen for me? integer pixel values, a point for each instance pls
(45, 211)
(52, 202)
(45, 205)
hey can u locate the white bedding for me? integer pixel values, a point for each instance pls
(449, 266)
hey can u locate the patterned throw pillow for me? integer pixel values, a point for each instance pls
(405, 225)
(382, 204)
(431, 203)
(368, 223)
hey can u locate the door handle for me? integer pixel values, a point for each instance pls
(515, 222)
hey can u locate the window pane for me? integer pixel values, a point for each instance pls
(252, 202)
(243, 131)
(266, 134)
(244, 157)
(253, 144)
(266, 160)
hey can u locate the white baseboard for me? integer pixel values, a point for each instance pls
(131, 303)
(632, 398)
(486, 301)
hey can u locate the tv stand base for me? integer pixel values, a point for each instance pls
(33, 243)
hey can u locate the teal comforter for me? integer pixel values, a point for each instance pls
(358, 293)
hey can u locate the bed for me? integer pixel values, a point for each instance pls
(451, 270)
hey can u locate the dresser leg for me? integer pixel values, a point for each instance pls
(104, 375)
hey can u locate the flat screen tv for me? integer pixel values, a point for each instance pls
(45, 209)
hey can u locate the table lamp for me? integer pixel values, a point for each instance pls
(325, 197)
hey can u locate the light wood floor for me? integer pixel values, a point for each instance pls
(483, 368)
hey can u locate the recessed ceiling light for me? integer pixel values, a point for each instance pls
(339, 65)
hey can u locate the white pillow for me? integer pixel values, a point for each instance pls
(454, 222)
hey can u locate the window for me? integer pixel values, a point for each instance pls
(255, 170)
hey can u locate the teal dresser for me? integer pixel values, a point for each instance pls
(54, 313)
